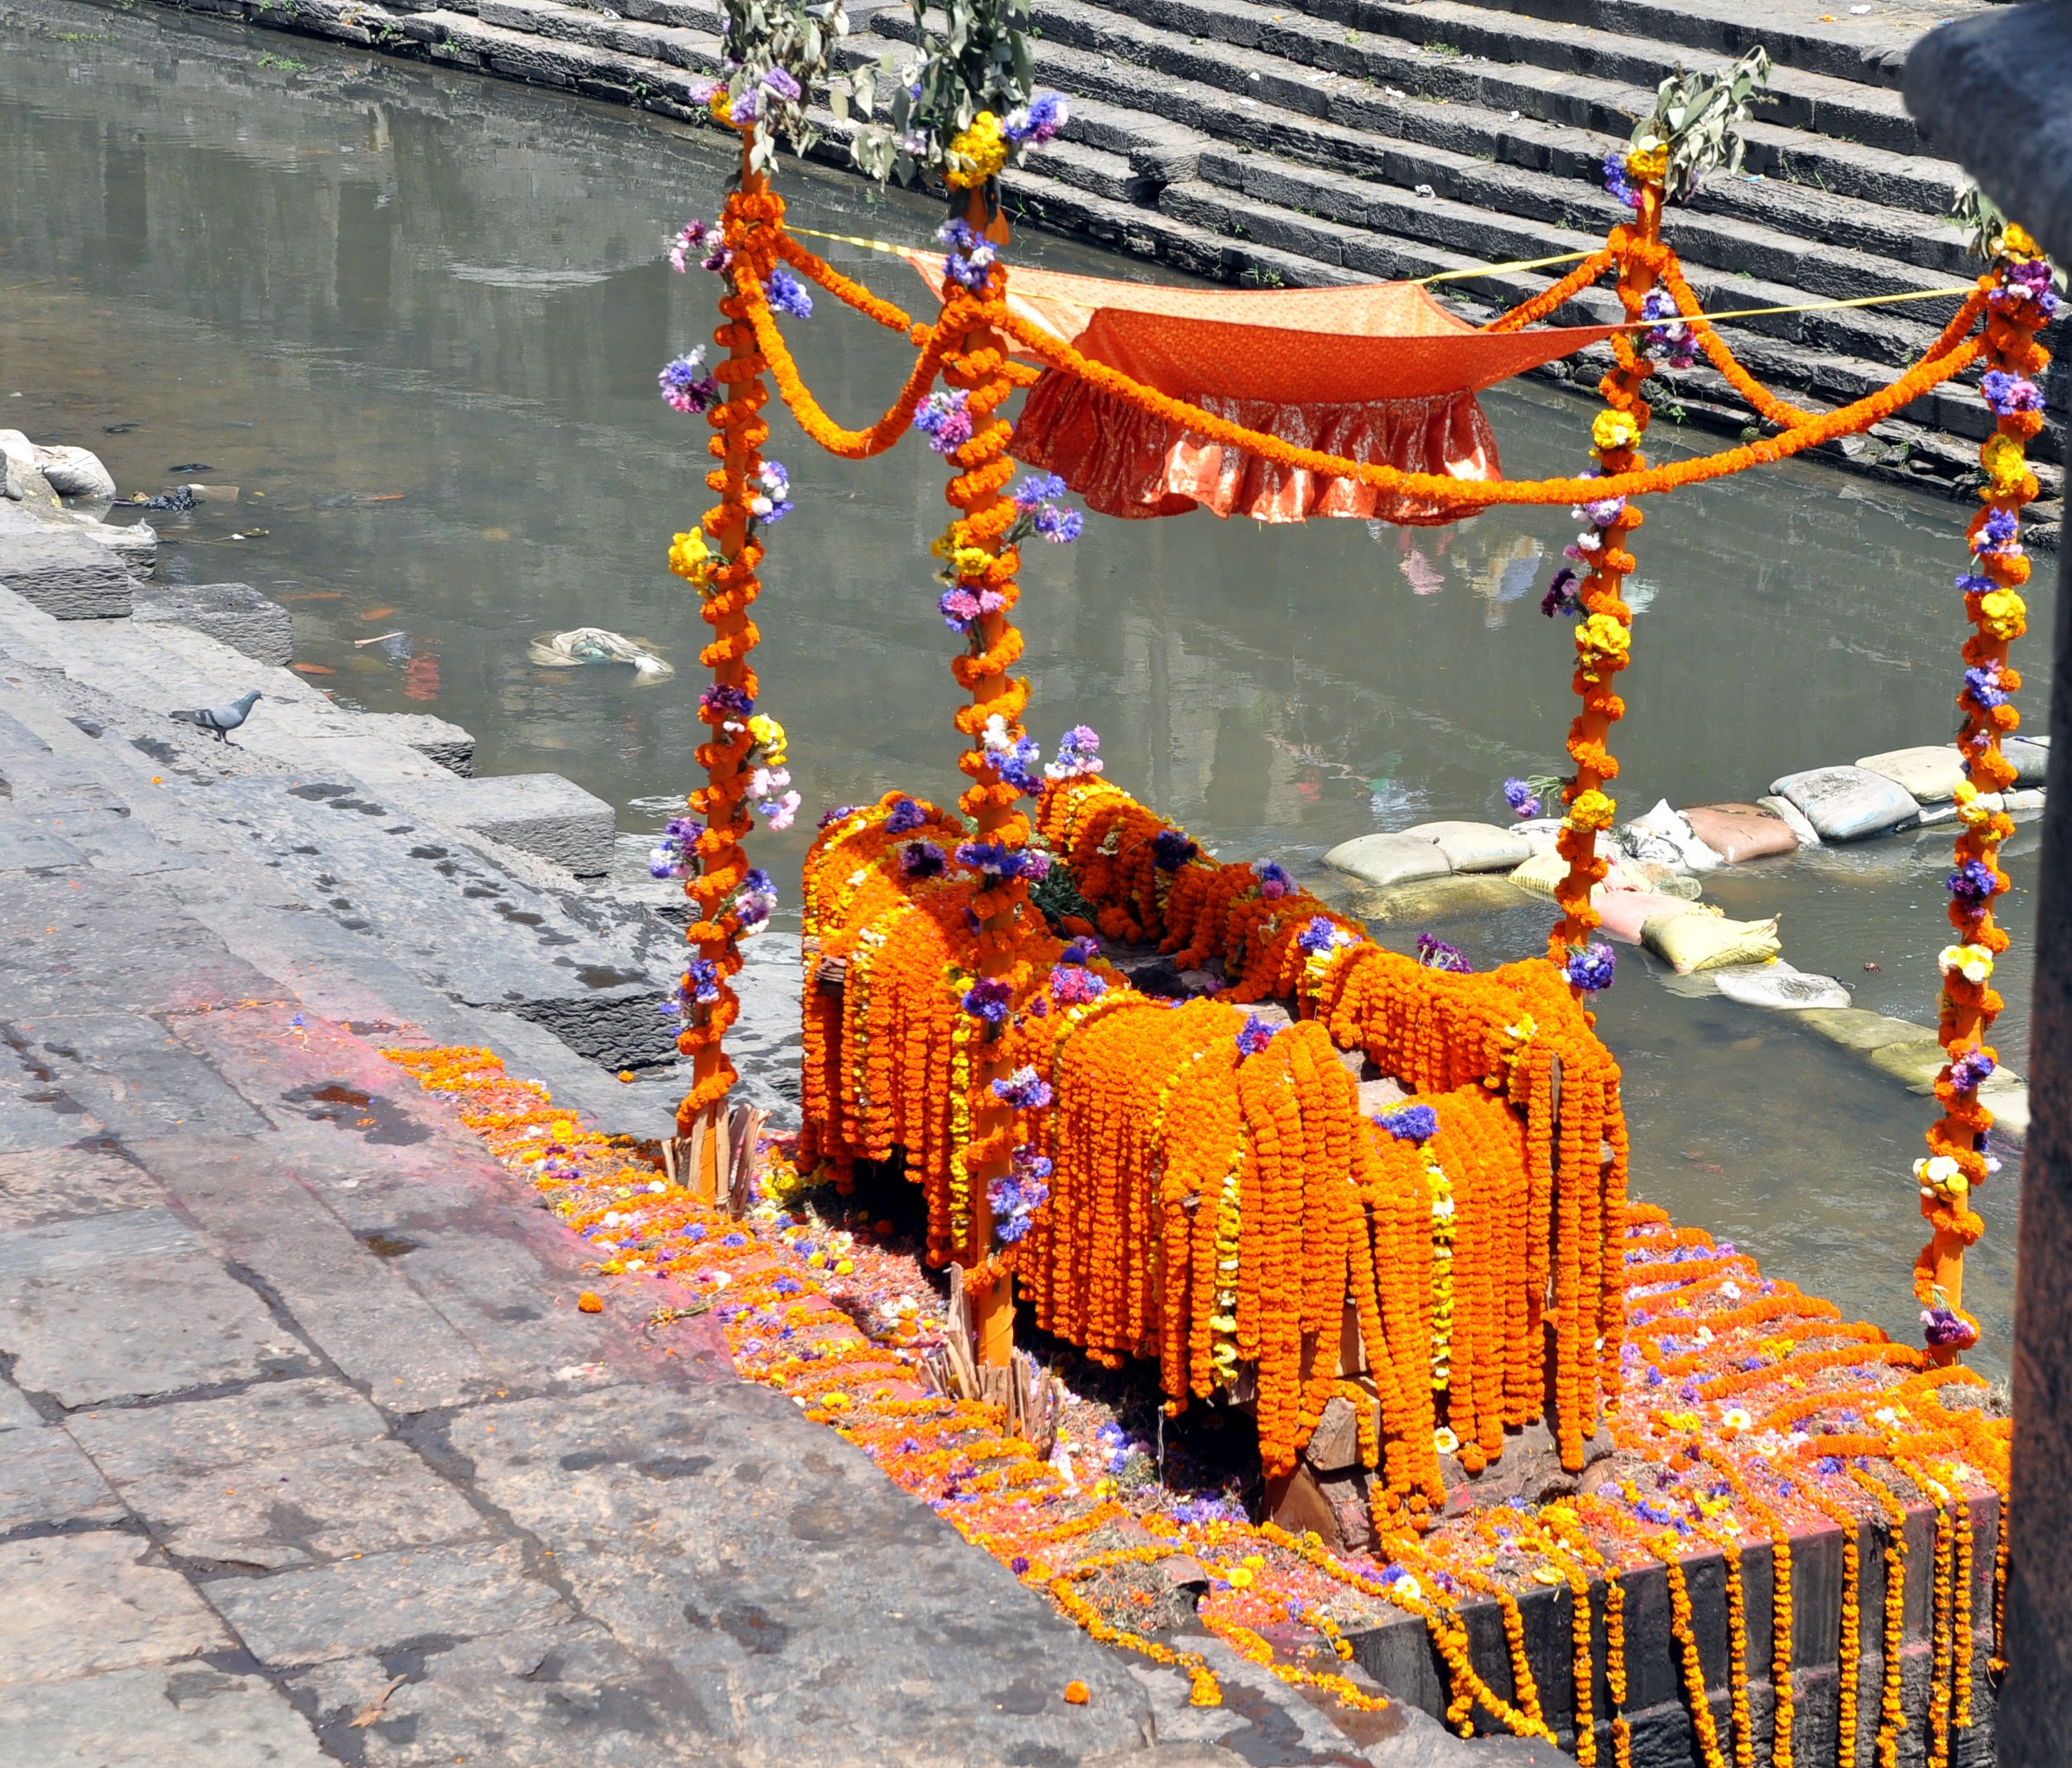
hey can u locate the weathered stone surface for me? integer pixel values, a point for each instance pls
(1848, 803)
(385, 1600)
(2031, 760)
(1475, 846)
(63, 574)
(541, 814)
(1384, 860)
(689, 1475)
(305, 1507)
(1929, 773)
(128, 1304)
(235, 614)
(437, 739)
(136, 1078)
(198, 1436)
(56, 1183)
(77, 1604)
(45, 1480)
(191, 1715)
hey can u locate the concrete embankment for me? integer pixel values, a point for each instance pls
(1328, 141)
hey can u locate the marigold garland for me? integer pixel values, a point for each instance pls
(1957, 1160)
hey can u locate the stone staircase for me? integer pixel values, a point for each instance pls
(1326, 141)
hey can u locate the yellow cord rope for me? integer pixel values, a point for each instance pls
(1516, 264)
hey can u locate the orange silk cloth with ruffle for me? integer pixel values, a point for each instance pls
(1378, 372)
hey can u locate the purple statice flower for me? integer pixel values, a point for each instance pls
(1436, 954)
(1016, 761)
(1411, 1123)
(2007, 393)
(1274, 882)
(1672, 337)
(1037, 488)
(1059, 526)
(1601, 512)
(1561, 596)
(1074, 985)
(757, 896)
(684, 389)
(1319, 936)
(779, 84)
(904, 816)
(1171, 850)
(971, 255)
(771, 486)
(746, 108)
(1983, 685)
(1590, 967)
(1972, 583)
(1079, 754)
(1036, 121)
(1617, 183)
(922, 859)
(1015, 1198)
(1942, 1326)
(2000, 536)
(2026, 283)
(837, 813)
(989, 999)
(999, 861)
(1024, 1089)
(943, 419)
(672, 857)
(1971, 1070)
(689, 237)
(723, 700)
(787, 294)
(1521, 798)
(1971, 883)
(1255, 1034)
(1084, 949)
(959, 608)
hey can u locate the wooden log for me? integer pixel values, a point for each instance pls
(745, 1131)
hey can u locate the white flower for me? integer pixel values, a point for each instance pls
(1735, 1419)
(1731, 1291)
(1974, 963)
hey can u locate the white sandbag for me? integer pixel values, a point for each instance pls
(1776, 984)
(1383, 860)
(76, 472)
(2030, 755)
(1664, 838)
(1475, 846)
(1793, 819)
(1929, 773)
(1848, 803)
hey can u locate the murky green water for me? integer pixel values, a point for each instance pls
(415, 317)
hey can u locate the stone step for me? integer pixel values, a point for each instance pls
(1246, 38)
(1098, 170)
(1464, 35)
(1807, 34)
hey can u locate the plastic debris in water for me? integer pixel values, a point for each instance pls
(582, 645)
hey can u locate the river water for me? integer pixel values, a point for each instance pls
(415, 317)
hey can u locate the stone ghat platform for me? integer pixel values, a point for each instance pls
(1784, 1425)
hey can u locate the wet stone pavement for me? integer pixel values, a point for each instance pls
(307, 1456)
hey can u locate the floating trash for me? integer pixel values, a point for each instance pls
(583, 644)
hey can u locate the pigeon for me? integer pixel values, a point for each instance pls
(221, 719)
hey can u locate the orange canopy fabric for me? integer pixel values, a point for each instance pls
(1375, 371)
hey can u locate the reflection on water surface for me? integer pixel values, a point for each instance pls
(415, 319)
